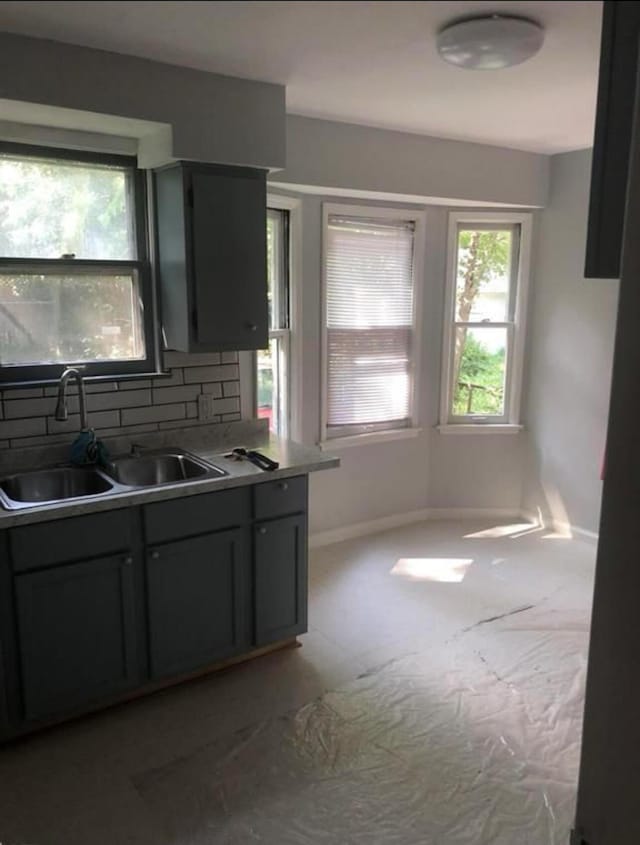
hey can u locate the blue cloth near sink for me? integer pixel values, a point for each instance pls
(87, 449)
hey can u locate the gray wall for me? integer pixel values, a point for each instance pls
(328, 156)
(213, 117)
(571, 333)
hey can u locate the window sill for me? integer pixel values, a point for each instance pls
(480, 428)
(338, 443)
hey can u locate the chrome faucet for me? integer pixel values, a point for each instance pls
(62, 411)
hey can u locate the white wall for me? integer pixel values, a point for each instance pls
(327, 156)
(572, 325)
(431, 470)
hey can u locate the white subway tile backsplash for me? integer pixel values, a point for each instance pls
(101, 419)
(18, 409)
(231, 388)
(153, 413)
(188, 359)
(118, 399)
(214, 388)
(184, 393)
(173, 379)
(23, 428)
(135, 384)
(226, 406)
(22, 393)
(126, 407)
(224, 372)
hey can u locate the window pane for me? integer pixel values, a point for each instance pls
(277, 269)
(370, 307)
(483, 275)
(479, 369)
(50, 207)
(272, 380)
(369, 376)
(56, 318)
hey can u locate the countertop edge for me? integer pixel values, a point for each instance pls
(244, 475)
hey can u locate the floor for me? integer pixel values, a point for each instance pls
(436, 699)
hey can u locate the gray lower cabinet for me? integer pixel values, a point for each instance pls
(100, 606)
(280, 550)
(197, 598)
(76, 633)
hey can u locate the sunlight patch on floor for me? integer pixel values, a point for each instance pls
(444, 569)
(517, 529)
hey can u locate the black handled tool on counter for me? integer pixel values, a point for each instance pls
(256, 458)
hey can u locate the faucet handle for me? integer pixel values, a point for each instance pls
(135, 450)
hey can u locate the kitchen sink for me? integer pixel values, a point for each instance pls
(153, 468)
(121, 474)
(49, 486)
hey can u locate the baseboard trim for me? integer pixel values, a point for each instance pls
(385, 523)
(568, 529)
(575, 531)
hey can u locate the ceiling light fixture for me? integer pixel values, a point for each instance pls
(490, 42)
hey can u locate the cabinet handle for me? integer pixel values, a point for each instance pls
(155, 555)
(262, 530)
(128, 560)
(252, 327)
(283, 485)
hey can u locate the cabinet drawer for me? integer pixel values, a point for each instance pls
(196, 515)
(77, 538)
(279, 498)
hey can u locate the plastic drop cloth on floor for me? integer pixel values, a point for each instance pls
(473, 741)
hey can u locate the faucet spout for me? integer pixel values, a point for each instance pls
(62, 410)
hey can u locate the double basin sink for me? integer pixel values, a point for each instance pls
(123, 474)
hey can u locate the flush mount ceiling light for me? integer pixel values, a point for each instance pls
(490, 42)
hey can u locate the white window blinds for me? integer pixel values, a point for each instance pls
(369, 299)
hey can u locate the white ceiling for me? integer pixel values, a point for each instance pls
(362, 62)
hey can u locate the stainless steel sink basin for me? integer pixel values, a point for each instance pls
(43, 487)
(153, 468)
(121, 475)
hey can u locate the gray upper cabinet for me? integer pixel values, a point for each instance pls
(212, 254)
(77, 635)
(612, 141)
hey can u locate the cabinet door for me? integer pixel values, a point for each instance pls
(229, 242)
(76, 633)
(280, 579)
(197, 601)
(612, 142)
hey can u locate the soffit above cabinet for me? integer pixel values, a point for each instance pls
(213, 118)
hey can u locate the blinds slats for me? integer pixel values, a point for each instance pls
(369, 311)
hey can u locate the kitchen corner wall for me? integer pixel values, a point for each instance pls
(126, 407)
(570, 351)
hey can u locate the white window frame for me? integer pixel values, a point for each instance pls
(290, 337)
(366, 435)
(509, 423)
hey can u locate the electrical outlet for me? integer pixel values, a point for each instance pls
(205, 406)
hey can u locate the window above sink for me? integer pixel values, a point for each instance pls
(75, 285)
